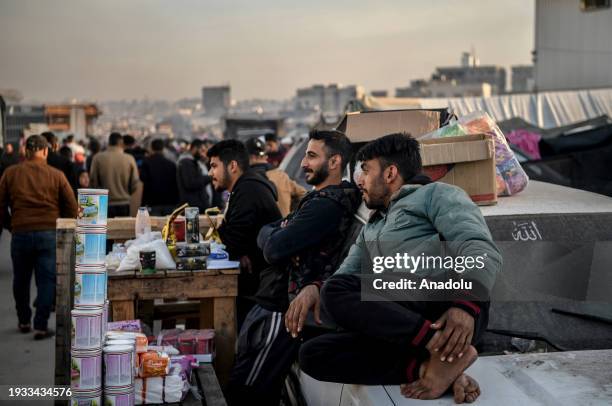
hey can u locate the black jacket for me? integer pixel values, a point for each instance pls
(158, 175)
(251, 205)
(309, 248)
(192, 184)
(63, 164)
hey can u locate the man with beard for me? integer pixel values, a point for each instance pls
(251, 205)
(423, 345)
(304, 249)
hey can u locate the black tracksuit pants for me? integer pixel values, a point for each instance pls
(380, 342)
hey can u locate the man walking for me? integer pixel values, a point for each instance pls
(37, 196)
(116, 171)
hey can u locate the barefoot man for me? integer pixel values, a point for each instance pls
(425, 345)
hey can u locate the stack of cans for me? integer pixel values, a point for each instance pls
(90, 313)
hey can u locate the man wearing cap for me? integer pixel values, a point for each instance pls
(288, 190)
(276, 151)
(37, 195)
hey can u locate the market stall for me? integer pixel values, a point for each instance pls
(214, 289)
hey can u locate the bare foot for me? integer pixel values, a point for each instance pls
(465, 389)
(438, 376)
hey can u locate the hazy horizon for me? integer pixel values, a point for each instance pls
(114, 50)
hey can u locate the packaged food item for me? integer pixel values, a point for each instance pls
(90, 285)
(125, 325)
(90, 244)
(509, 170)
(192, 224)
(153, 363)
(93, 206)
(86, 397)
(119, 366)
(192, 249)
(178, 226)
(511, 177)
(87, 327)
(86, 369)
(190, 263)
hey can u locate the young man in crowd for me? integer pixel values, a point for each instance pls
(304, 249)
(289, 191)
(275, 150)
(193, 185)
(158, 175)
(37, 195)
(424, 345)
(251, 205)
(116, 171)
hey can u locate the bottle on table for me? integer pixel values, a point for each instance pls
(143, 222)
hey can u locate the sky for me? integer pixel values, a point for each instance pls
(99, 50)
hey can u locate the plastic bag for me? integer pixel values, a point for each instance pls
(147, 242)
(511, 177)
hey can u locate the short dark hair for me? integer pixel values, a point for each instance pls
(157, 145)
(197, 143)
(230, 150)
(398, 149)
(336, 143)
(65, 151)
(50, 137)
(271, 137)
(128, 140)
(114, 139)
(36, 143)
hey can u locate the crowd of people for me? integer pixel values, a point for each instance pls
(292, 247)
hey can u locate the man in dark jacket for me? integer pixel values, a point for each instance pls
(58, 161)
(251, 205)
(158, 174)
(304, 248)
(191, 182)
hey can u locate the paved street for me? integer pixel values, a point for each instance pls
(25, 361)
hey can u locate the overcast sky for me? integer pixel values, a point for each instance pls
(53, 50)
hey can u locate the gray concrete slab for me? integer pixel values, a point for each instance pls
(24, 361)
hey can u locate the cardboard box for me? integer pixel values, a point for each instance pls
(465, 161)
(370, 125)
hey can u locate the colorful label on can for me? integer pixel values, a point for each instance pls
(86, 330)
(86, 372)
(93, 209)
(119, 399)
(90, 288)
(90, 247)
(119, 369)
(86, 400)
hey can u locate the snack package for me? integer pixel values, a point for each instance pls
(153, 363)
(132, 326)
(190, 263)
(192, 249)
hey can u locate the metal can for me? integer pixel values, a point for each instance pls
(192, 224)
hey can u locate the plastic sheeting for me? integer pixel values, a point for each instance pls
(545, 110)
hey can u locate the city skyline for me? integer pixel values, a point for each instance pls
(100, 51)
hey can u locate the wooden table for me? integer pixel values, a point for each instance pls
(216, 291)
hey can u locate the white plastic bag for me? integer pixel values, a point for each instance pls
(147, 242)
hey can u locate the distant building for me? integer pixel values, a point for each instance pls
(21, 116)
(440, 86)
(467, 80)
(245, 126)
(522, 79)
(573, 46)
(379, 93)
(216, 100)
(330, 99)
(76, 119)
